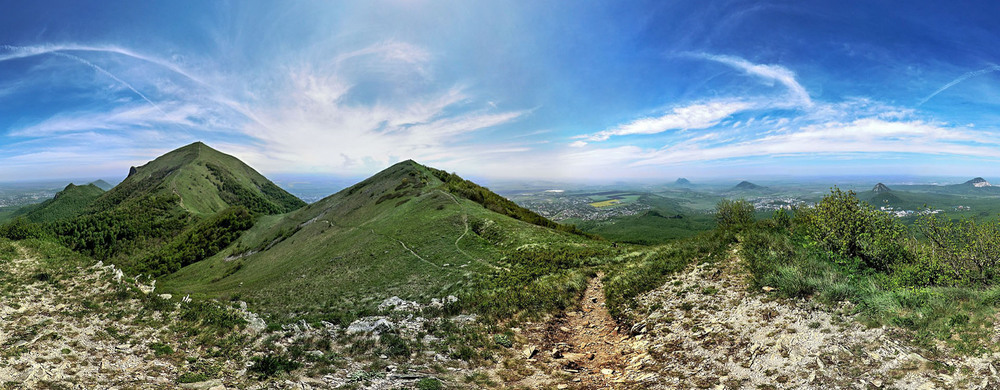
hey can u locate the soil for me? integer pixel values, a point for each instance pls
(581, 349)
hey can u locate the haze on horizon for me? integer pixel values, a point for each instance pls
(504, 90)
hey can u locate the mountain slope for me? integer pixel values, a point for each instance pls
(103, 185)
(194, 198)
(408, 231)
(68, 203)
(205, 181)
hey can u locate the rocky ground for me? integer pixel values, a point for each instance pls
(73, 327)
(705, 330)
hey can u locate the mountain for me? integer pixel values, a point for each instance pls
(409, 231)
(103, 185)
(747, 186)
(205, 180)
(175, 210)
(682, 182)
(68, 203)
(879, 188)
(978, 183)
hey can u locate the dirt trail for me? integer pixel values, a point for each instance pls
(582, 348)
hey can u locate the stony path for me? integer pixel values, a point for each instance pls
(583, 348)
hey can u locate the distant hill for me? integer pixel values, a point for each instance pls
(978, 183)
(68, 203)
(175, 210)
(744, 186)
(879, 188)
(410, 231)
(204, 180)
(103, 185)
(682, 182)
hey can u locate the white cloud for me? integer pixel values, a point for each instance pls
(772, 72)
(577, 144)
(868, 135)
(695, 116)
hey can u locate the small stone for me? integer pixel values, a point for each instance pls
(530, 352)
(607, 371)
(767, 288)
(562, 386)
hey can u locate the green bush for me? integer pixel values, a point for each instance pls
(429, 384)
(502, 340)
(21, 229)
(394, 345)
(733, 214)
(852, 229)
(271, 365)
(160, 349)
(968, 249)
(190, 377)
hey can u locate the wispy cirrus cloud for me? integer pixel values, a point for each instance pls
(694, 116)
(870, 136)
(777, 73)
(966, 76)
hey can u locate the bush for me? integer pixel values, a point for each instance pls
(160, 349)
(190, 377)
(428, 384)
(970, 250)
(394, 345)
(852, 229)
(734, 214)
(21, 229)
(271, 365)
(502, 340)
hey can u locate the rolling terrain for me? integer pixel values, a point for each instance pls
(416, 277)
(403, 232)
(194, 197)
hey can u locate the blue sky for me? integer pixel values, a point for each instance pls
(504, 90)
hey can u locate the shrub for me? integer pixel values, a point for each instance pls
(271, 365)
(502, 340)
(970, 250)
(428, 384)
(21, 229)
(733, 214)
(852, 229)
(190, 377)
(394, 345)
(160, 349)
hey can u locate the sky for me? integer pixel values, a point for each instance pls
(584, 91)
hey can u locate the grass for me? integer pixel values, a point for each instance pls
(606, 203)
(627, 281)
(959, 317)
(362, 251)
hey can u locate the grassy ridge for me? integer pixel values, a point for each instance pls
(401, 232)
(68, 203)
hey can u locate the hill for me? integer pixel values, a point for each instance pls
(103, 185)
(978, 183)
(408, 231)
(746, 187)
(682, 182)
(68, 203)
(175, 210)
(879, 188)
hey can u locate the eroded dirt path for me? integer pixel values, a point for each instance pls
(583, 348)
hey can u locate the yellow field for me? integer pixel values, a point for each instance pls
(606, 203)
